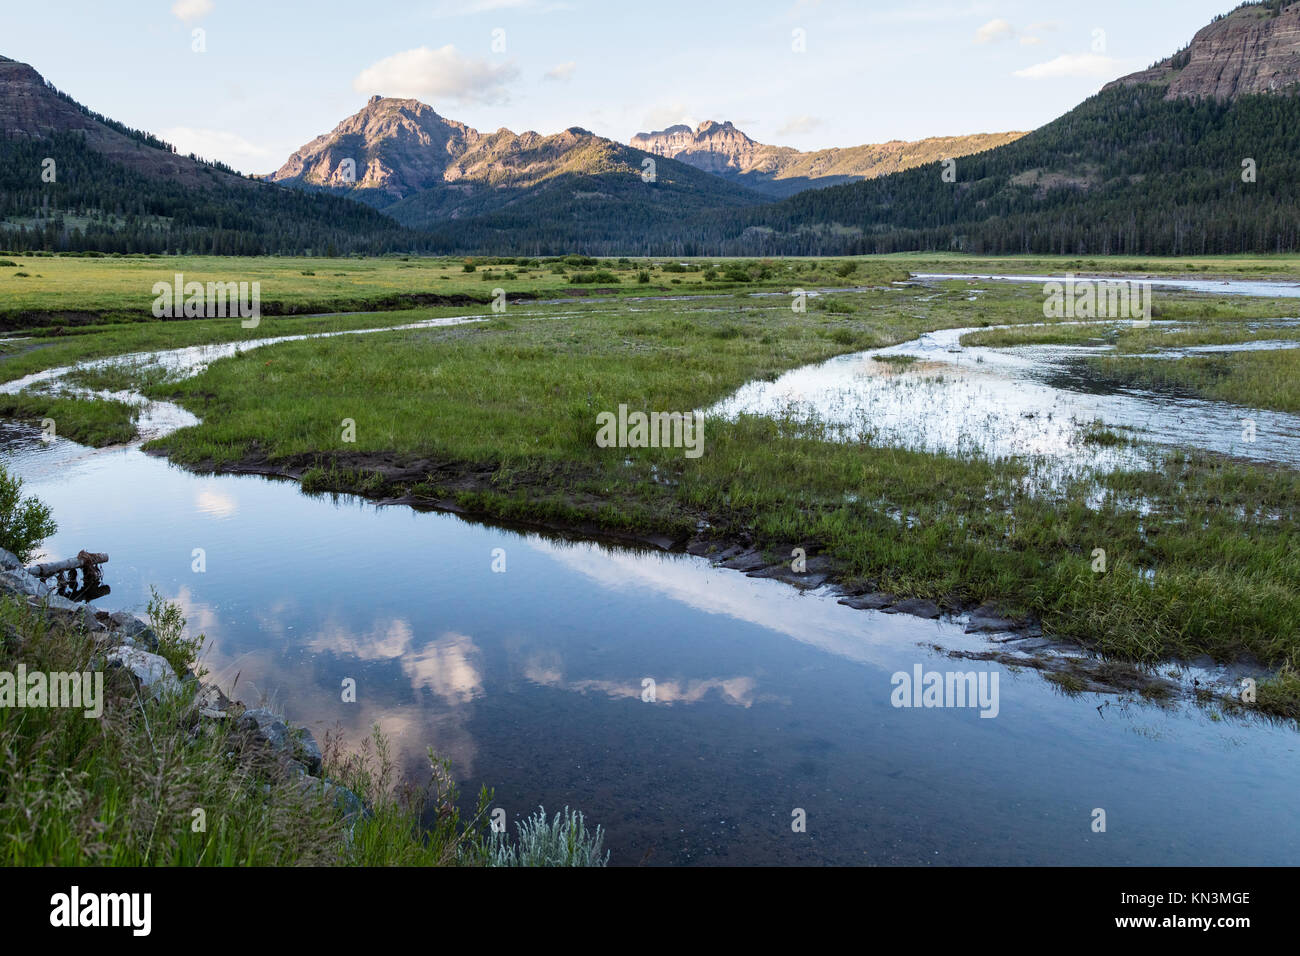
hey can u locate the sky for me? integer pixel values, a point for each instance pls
(247, 82)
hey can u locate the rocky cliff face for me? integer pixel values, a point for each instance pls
(398, 148)
(1253, 49)
(395, 146)
(722, 149)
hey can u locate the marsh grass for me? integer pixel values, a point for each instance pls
(1264, 379)
(97, 423)
(521, 407)
(123, 789)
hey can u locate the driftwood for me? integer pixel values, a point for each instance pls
(85, 560)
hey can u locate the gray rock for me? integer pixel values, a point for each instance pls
(918, 607)
(137, 631)
(55, 602)
(19, 581)
(987, 618)
(345, 800)
(80, 615)
(748, 561)
(875, 601)
(153, 672)
(275, 731)
(9, 561)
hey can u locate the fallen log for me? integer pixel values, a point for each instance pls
(89, 560)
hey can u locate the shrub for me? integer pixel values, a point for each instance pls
(564, 841)
(24, 522)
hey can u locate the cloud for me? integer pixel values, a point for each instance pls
(994, 31)
(189, 10)
(1091, 65)
(1030, 41)
(562, 72)
(443, 74)
(461, 8)
(229, 148)
(799, 124)
(661, 117)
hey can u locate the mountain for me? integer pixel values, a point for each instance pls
(1198, 155)
(117, 189)
(1253, 49)
(780, 171)
(468, 187)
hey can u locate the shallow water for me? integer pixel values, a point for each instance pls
(1251, 287)
(1024, 401)
(766, 700)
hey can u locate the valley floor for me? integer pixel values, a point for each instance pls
(498, 418)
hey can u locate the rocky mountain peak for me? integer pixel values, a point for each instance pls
(1253, 49)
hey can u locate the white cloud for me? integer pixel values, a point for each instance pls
(799, 124)
(994, 30)
(461, 8)
(1090, 65)
(229, 148)
(661, 117)
(1030, 41)
(441, 74)
(190, 10)
(562, 72)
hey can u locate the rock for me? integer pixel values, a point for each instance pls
(212, 703)
(919, 607)
(137, 631)
(804, 580)
(80, 615)
(9, 561)
(19, 581)
(272, 728)
(347, 801)
(149, 669)
(986, 618)
(55, 602)
(875, 601)
(747, 561)
(1245, 51)
(816, 571)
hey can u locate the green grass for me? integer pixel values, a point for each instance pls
(69, 291)
(521, 403)
(122, 789)
(1265, 379)
(94, 423)
(516, 397)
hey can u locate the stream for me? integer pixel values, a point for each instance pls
(767, 700)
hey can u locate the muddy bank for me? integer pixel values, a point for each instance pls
(728, 543)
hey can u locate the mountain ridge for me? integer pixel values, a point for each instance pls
(780, 171)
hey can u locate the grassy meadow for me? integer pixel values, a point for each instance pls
(499, 419)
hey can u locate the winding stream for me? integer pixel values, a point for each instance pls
(768, 700)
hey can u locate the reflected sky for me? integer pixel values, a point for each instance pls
(767, 699)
